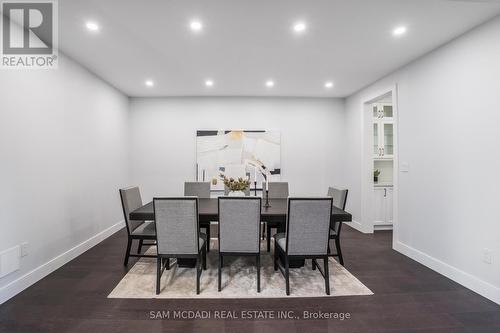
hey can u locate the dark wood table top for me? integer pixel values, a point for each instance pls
(208, 210)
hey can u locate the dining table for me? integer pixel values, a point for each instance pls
(208, 212)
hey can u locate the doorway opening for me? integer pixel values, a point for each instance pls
(380, 162)
(383, 162)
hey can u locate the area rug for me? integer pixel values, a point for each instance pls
(239, 279)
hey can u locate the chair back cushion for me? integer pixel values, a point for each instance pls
(197, 189)
(277, 190)
(308, 225)
(177, 228)
(239, 224)
(131, 200)
(339, 197)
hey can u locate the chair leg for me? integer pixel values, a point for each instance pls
(127, 254)
(314, 265)
(158, 274)
(287, 275)
(276, 256)
(220, 272)
(327, 275)
(339, 251)
(167, 264)
(204, 253)
(208, 237)
(268, 237)
(258, 273)
(264, 226)
(139, 247)
(198, 274)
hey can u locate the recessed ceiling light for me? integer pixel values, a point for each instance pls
(149, 83)
(209, 83)
(92, 26)
(269, 83)
(399, 31)
(299, 27)
(196, 26)
(328, 84)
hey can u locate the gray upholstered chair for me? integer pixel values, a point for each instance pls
(239, 230)
(339, 197)
(277, 190)
(202, 191)
(136, 230)
(226, 191)
(197, 189)
(178, 234)
(306, 236)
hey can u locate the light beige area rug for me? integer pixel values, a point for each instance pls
(239, 279)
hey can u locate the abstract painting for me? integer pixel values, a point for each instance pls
(253, 154)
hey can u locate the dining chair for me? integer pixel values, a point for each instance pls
(136, 230)
(339, 197)
(202, 191)
(246, 191)
(178, 235)
(277, 190)
(306, 236)
(197, 189)
(239, 230)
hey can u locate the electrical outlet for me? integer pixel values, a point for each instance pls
(9, 261)
(24, 249)
(487, 256)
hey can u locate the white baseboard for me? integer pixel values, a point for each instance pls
(465, 279)
(23, 282)
(381, 227)
(358, 226)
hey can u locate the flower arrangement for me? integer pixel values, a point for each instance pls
(239, 184)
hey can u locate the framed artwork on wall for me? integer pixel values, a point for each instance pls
(252, 154)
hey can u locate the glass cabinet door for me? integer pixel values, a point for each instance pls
(388, 139)
(387, 111)
(375, 139)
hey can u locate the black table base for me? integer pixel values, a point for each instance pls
(191, 263)
(186, 263)
(293, 263)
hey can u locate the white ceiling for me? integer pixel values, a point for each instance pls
(246, 42)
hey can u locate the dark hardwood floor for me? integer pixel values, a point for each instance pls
(408, 298)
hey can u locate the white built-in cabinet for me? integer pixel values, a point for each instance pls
(383, 206)
(383, 131)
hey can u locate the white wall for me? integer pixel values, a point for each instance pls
(63, 153)
(163, 133)
(449, 133)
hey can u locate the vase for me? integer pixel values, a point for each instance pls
(236, 194)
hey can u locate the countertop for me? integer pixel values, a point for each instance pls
(381, 184)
